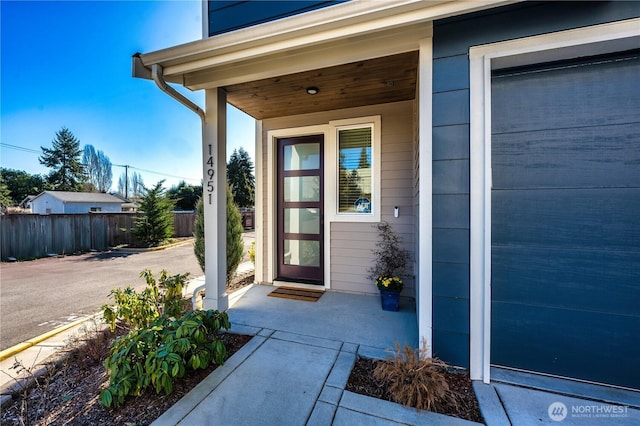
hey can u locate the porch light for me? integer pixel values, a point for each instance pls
(312, 90)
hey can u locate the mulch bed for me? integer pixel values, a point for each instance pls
(69, 395)
(240, 281)
(362, 381)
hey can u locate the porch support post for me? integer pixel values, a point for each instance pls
(258, 218)
(424, 294)
(214, 159)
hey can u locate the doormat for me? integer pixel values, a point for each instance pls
(297, 294)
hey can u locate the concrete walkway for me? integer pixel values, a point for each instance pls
(295, 369)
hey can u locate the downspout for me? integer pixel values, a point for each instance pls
(158, 77)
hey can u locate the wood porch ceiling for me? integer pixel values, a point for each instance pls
(374, 81)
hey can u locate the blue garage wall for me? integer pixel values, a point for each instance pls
(226, 16)
(451, 42)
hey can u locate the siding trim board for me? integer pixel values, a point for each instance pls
(424, 272)
(592, 40)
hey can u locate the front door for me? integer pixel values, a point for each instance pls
(300, 209)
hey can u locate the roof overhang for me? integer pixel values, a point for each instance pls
(336, 35)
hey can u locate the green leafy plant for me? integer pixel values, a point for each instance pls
(162, 352)
(414, 379)
(156, 225)
(391, 258)
(138, 310)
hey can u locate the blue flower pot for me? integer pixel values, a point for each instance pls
(390, 300)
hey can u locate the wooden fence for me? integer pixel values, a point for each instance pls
(25, 236)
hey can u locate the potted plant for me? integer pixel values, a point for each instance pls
(391, 260)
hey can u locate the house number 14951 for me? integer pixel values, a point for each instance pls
(210, 172)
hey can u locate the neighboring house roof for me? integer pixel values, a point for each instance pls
(27, 200)
(81, 197)
(121, 197)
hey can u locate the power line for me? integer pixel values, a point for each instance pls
(126, 166)
(33, 151)
(20, 148)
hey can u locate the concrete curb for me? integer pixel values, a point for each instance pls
(146, 250)
(16, 349)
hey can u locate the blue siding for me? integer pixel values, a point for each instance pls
(454, 36)
(452, 39)
(226, 16)
(451, 142)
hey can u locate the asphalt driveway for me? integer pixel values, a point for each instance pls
(40, 295)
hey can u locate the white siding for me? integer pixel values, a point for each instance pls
(47, 201)
(86, 207)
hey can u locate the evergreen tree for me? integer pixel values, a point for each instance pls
(156, 225)
(64, 158)
(198, 233)
(240, 177)
(186, 196)
(235, 245)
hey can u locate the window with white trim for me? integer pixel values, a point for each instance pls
(355, 187)
(357, 165)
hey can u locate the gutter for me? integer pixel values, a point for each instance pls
(156, 74)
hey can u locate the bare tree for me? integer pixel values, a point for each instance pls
(131, 186)
(123, 185)
(137, 185)
(98, 168)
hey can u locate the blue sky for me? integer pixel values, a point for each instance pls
(69, 64)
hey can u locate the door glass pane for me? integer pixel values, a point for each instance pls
(304, 156)
(301, 253)
(302, 221)
(302, 188)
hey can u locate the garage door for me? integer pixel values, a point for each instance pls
(566, 219)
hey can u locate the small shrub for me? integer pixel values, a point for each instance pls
(138, 310)
(198, 233)
(166, 350)
(391, 258)
(235, 246)
(414, 379)
(156, 226)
